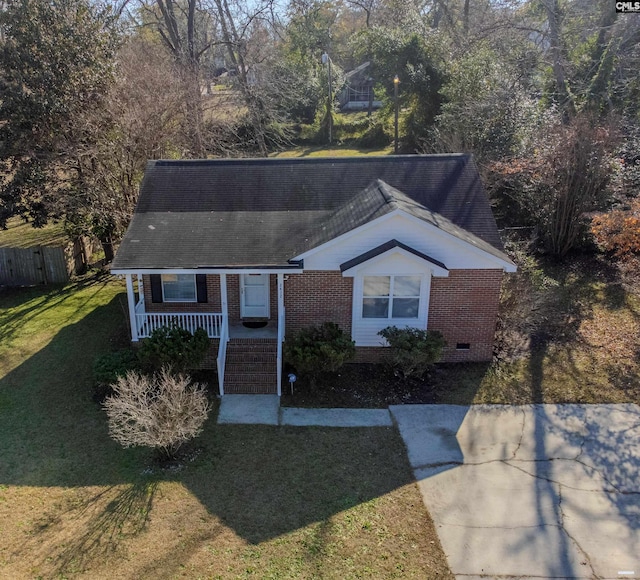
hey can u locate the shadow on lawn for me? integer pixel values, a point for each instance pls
(94, 529)
(260, 481)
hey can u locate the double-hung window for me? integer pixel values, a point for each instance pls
(391, 297)
(179, 288)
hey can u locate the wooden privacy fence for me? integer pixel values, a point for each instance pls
(43, 264)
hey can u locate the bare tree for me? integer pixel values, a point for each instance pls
(235, 28)
(562, 180)
(183, 29)
(161, 412)
(141, 120)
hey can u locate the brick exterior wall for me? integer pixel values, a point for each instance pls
(233, 297)
(315, 297)
(210, 361)
(212, 304)
(464, 307)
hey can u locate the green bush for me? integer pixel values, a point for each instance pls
(174, 348)
(374, 136)
(319, 349)
(108, 367)
(413, 351)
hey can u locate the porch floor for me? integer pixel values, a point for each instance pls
(237, 330)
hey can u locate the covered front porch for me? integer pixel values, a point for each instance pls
(247, 311)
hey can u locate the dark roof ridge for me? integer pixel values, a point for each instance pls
(394, 197)
(270, 210)
(385, 190)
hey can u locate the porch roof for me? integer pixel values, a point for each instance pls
(264, 212)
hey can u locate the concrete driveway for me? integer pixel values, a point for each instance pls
(544, 491)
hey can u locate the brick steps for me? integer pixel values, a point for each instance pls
(251, 366)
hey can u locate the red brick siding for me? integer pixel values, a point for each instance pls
(273, 296)
(212, 304)
(233, 297)
(464, 308)
(211, 356)
(315, 297)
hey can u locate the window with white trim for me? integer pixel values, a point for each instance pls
(179, 288)
(391, 296)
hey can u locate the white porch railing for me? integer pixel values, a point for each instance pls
(281, 319)
(147, 322)
(222, 356)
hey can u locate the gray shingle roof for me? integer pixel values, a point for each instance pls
(264, 212)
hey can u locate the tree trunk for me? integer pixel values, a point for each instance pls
(233, 43)
(465, 18)
(107, 245)
(565, 100)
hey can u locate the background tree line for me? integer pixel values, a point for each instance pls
(544, 93)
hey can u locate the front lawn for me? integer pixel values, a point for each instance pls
(335, 151)
(256, 501)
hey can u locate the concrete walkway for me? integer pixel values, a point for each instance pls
(266, 410)
(539, 491)
(249, 410)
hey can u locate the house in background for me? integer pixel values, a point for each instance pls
(366, 242)
(357, 93)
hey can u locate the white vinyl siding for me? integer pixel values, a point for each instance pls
(420, 236)
(179, 288)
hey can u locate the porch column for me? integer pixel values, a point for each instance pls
(141, 292)
(280, 294)
(131, 300)
(223, 301)
(281, 323)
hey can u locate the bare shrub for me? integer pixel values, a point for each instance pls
(161, 411)
(559, 182)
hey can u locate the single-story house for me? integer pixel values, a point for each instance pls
(365, 242)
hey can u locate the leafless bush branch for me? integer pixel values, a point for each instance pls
(162, 411)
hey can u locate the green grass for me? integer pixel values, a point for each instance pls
(256, 501)
(22, 235)
(337, 151)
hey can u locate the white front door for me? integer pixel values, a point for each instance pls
(254, 295)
